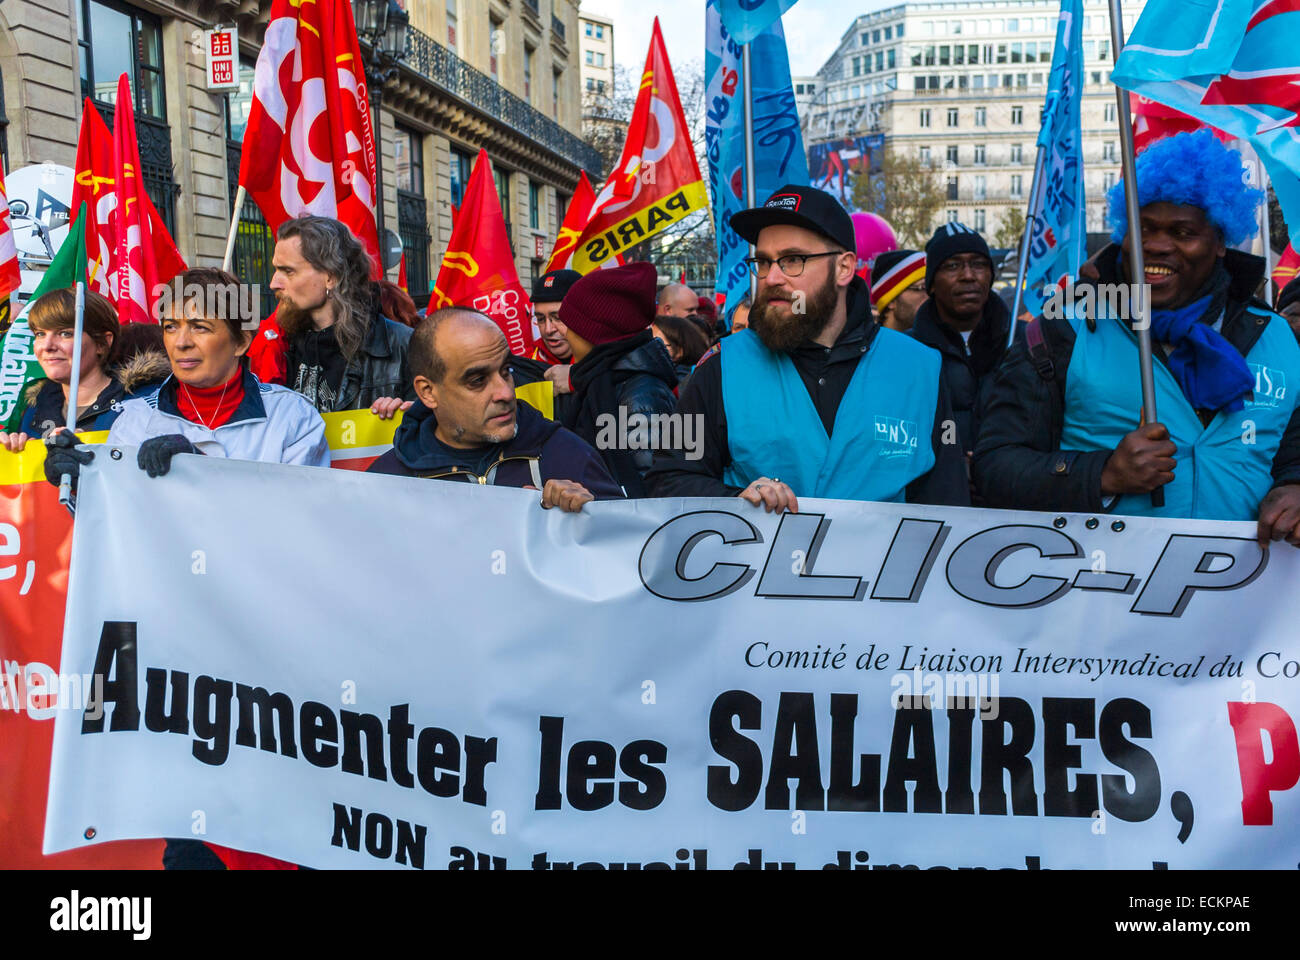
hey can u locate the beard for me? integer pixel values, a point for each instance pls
(780, 331)
(292, 318)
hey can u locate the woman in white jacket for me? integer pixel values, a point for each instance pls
(211, 404)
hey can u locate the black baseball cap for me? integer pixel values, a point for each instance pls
(551, 287)
(806, 207)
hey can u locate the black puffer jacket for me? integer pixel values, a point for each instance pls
(968, 375)
(613, 383)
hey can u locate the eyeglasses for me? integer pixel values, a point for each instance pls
(978, 266)
(791, 264)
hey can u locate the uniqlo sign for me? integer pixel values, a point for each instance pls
(222, 46)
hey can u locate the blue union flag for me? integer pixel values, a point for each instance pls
(1234, 64)
(1059, 232)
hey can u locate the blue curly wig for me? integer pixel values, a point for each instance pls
(1197, 170)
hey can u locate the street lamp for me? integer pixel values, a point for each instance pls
(383, 25)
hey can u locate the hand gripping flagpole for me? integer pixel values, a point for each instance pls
(78, 326)
(240, 194)
(1035, 205)
(751, 201)
(1139, 305)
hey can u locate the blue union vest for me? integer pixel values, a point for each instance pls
(1223, 470)
(881, 437)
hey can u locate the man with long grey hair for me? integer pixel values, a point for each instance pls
(343, 353)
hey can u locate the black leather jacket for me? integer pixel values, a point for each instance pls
(379, 368)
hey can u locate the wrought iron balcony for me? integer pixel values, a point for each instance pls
(444, 69)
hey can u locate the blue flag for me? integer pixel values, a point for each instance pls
(778, 145)
(746, 19)
(1058, 235)
(1234, 64)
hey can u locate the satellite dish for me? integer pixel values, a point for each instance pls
(40, 201)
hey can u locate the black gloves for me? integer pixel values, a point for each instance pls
(62, 457)
(155, 457)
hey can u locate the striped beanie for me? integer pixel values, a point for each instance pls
(948, 241)
(893, 272)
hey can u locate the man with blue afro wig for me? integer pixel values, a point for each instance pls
(1061, 428)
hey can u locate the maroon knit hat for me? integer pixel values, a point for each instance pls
(611, 304)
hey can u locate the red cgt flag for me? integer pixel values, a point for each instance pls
(1154, 121)
(575, 221)
(657, 181)
(1288, 265)
(478, 269)
(309, 146)
(145, 254)
(95, 186)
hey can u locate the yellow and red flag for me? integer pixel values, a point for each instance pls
(478, 270)
(657, 180)
(1288, 265)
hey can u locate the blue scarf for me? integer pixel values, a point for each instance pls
(1211, 371)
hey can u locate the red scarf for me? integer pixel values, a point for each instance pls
(211, 406)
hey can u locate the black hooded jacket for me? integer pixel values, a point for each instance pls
(556, 452)
(635, 374)
(968, 375)
(1018, 461)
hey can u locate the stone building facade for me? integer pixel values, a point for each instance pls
(502, 75)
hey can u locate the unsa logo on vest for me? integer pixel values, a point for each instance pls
(1270, 385)
(897, 437)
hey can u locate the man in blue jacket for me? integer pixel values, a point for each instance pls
(1062, 427)
(468, 425)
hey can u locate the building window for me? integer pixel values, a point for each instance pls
(407, 153)
(952, 116)
(494, 63)
(1096, 77)
(981, 114)
(1017, 185)
(979, 221)
(889, 33)
(857, 66)
(980, 153)
(555, 94)
(1108, 150)
(600, 32)
(952, 154)
(1017, 153)
(589, 28)
(981, 186)
(952, 216)
(528, 74)
(502, 178)
(534, 206)
(1108, 112)
(952, 188)
(875, 36)
(880, 60)
(116, 40)
(561, 203)
(1108, 180)
(925, 115)
(898, 32)
(890, 61)
(924, 154)
(1017, 115)
(945, 55)
(452, 20)
(461, 165)
(929, 56)
(591, 58)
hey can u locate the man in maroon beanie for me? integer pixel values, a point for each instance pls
(622, 376)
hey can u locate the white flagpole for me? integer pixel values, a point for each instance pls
(78, 326)
(750, 200)
(240, 194)
(1035, 203)
(1137, 266)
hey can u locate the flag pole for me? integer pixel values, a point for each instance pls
(1141, 303)
(1035, 201)
(78, 326)
(750, 200)
(240, 194)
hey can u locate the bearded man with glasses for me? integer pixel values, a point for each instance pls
(815, 399)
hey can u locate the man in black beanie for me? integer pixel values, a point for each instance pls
(963, 321)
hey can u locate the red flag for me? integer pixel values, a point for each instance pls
(146, 256)
(478, 269)
(1154, 121)
(309, 146)
(401, 274)
(95, 185)
(1287, 267)
(10, 275)
(575, 221)
(268, 355)
(657, 181)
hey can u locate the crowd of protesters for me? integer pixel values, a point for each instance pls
(907, 385)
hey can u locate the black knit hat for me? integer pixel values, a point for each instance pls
(1289, 295)
(551, 287)
(948, 241)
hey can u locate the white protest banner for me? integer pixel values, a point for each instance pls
(360, 671)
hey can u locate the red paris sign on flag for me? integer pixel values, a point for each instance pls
(309, 147)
